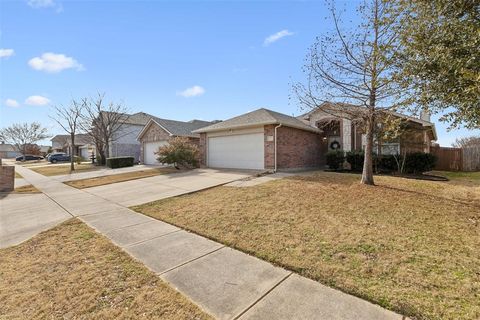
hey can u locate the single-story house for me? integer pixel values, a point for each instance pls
(83, 144)
(262, 139)
(157, 132)
(267, 140)
(8, 151)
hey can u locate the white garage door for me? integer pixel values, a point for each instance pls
(149, 156)
(243, 151)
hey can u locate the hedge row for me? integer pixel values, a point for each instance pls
(415, 162)
(120, 162)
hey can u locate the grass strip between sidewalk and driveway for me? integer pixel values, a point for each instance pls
(411, 246)
(71, 272)
(121, 177)
(26, 189)
(61, 169)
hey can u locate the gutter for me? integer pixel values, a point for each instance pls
(275, 170)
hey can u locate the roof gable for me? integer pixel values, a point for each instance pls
(256, 118)
(175, 128)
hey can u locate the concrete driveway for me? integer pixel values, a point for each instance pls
(24, 215)
(139, 191)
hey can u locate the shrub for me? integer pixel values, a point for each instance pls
(419, 162)
(120, 162)
(78, 159)
(179, 152)
(335, 159)
(355, 159)
(388, 163)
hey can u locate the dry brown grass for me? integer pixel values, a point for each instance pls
(411, 246)
(59, 169)
(27, 189)
(71, 272)
(100, 181)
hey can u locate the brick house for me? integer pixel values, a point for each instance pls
(267, 140)
(347, 134)
(261, 140)
(157, 132)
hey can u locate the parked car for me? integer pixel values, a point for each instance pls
(28, 157)
(48, 155)
(58, 157)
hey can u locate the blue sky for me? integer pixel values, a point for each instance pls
(174, 59)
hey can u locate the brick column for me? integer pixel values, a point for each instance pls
(7, 178)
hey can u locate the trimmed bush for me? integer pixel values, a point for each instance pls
(335, 159)
(387, 163)
(120, 162)
(419, 162)
(355, 159)
(179, 152)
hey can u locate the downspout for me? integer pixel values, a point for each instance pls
(275, 170)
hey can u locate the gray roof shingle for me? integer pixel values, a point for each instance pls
(181, 128)
(258, 117)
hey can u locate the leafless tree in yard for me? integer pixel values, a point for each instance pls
(354, 70)
(69, 118)
(21, 135)
(102, 122)
(473, 141)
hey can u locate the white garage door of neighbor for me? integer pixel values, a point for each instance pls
(243, 151)
(149, 156)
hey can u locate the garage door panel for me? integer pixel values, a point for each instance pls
(244, 151)
(149, 156)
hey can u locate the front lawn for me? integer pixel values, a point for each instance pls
(60, 169)
(409, 245)
(71, 272)
(18, 175)
(121, 177)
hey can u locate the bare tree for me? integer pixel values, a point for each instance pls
(354, 69)
(103, 123)
(21, 135)
(69, 119)
(467, 142)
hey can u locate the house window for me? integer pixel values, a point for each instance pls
(390, 148)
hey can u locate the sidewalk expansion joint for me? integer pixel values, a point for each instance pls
(263, 296)
(146, 240)
(189, 261)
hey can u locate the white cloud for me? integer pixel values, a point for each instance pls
(277, 36)
(41, 3)
(11, 103)
(54, 62)
(5, 53)
(192, 92)
(37, 101)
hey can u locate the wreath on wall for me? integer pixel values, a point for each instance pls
(335, 145)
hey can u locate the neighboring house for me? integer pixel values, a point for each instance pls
(83, 144)
(268, 140)
(261, 139)
(124, 142)
(157, 132)
(347, 135)
(8, 151)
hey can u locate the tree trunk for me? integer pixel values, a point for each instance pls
(72, 155)
(367, 174)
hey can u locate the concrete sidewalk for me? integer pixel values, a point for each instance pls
(101, 172)
(226, 283)
(22, 216)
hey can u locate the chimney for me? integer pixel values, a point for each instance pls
(425, 115)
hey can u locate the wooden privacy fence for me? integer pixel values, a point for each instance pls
(471, 158)
(457, 159)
